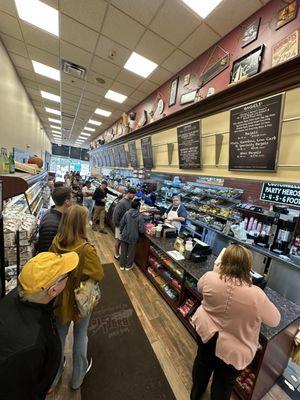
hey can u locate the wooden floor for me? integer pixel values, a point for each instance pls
(171, 342)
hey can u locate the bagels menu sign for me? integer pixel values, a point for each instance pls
(283, 193)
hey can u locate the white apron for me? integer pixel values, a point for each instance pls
(174, 214)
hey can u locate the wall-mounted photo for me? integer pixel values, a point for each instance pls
(188, 97)
(285, 49)
(250, 33)
(173, 91)
(286, 14)
(247, 65)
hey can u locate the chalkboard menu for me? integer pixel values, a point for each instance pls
(254, 135)
(283, 193)
(111, 158)
(75, 152)
(188, 138)
(62, 150)
(123, 156)
(116, 151)
(85, 154)
(147, 152)
(133, 154)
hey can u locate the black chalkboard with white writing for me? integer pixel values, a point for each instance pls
(254, 135)
(133, 154)
(283, 193)
(147, 152)
(123, 156)
(188, 138)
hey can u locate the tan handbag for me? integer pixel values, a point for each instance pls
(87, 293)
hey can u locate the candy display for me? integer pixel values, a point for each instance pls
(246, 381)
(170, 292)
(187, 307)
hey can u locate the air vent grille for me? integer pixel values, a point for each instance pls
(73, 69)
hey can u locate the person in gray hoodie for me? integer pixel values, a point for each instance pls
(131, 225)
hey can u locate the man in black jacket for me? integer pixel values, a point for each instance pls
(99, 197)
(50, 221)
(30, 348)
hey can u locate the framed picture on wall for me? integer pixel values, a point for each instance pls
(188, 97)
(247, 65)
(286, 14)
(250, 33)
(173, 91)
(285, 49)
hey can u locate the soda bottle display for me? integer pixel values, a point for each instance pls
(12, 166)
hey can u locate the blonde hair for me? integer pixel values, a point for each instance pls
(236, 264)
(72, 227)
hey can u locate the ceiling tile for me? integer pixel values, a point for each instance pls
(14, 45)
(174, 22)
(130, 102)
(91, 78)
(129, 78)
(94, 91)
(43, 57)
(141, 10)
(92, 104)
(40, 38)
(160, 75)
(199, 41)
(230, 14)
(90, 14)
(8, 6)
(72, 90)
(21, 62)
(148, 87)
(47, 81)
(138, 95)
(121, 88)
(77, 34)
(72, 81)
(52, 3)
(121, 28)
(106, 46)
(10, 26)
(75, 54)
(29, 84)
(104, 67)
(177, 61)
(154, 48)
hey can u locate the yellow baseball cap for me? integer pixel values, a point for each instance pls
(45, 269)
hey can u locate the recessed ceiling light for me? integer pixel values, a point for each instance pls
(52, 111)
(115, 96)
(93, 122)
(104, 113)
(82, 138)
(50, 96)
(89, 129)
(140, 65)
(56, 133)
(202, 7)
(85, 134)
(55, 127)
(56, 121)
(39, 14)
(45, 70)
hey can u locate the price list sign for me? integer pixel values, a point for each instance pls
(116, 157)
(122, 155)
(283, 193)
(254, 135)
(188, 138)
(147, 152)
(133, 154)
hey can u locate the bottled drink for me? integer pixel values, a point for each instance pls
(12, 166)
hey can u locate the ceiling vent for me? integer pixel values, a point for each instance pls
(73, 69)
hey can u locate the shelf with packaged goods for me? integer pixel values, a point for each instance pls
(19, 182)
(172, 303)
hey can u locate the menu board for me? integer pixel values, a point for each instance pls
(133, 154)
(123, 156)
(75, 152)
(111, 158)
(188, 138)
(116, 156)
(283, 193)
(60, 150)
(85, 155)
(147, 152)
(254, 134)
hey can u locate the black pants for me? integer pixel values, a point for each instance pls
(127, 254)
(207, 363)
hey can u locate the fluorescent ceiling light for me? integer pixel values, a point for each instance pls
(104, 113)
(50, 96)
(89, 129)
(39, 14)
(115, 96)
(56, 133)
(202, 7)
(52, 111)
(82, 138)
(56, 121)
(55, 127)
(85, 134)
(93, 122)
(140, 65)
(45, 70)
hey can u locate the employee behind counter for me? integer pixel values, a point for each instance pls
(176, 214)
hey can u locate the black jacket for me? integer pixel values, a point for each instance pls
(48, 229)
(99, 195)
(131, 225)
(30, 349)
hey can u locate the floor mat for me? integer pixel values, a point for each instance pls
(124, 364)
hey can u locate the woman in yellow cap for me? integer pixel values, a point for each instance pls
(72, 236)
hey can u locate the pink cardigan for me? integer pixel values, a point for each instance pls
(236, 312)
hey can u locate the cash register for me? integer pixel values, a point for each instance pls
(168, 231)
(200, 251)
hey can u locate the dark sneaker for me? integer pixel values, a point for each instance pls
(117, 257)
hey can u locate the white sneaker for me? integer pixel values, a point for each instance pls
(129, 268)
(117, 257)
(122, 268)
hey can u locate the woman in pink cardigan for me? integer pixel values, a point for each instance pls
(228, 323)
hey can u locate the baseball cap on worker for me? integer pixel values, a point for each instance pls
(45, 269)
(131, 190)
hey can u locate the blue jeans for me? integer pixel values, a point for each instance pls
(89, 204)
(80, 343)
